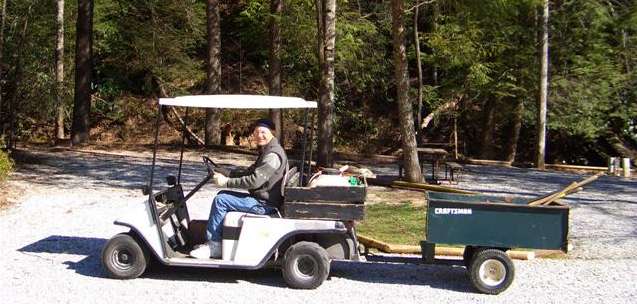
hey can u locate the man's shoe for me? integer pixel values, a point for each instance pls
(209, 250)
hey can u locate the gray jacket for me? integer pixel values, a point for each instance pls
(263, 178)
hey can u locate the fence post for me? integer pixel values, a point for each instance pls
(611, 165)
(626, 166)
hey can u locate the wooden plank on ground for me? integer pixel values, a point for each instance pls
(440, 250)
(427, 187)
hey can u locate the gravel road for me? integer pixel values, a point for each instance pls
(54, 233)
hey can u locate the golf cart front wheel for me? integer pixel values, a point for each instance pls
(305, 265)
(491, 271)
(124, 258)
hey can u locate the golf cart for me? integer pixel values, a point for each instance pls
(161, 227)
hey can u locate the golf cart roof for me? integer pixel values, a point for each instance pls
(237, 102)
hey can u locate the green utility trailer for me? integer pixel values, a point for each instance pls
(488, 226)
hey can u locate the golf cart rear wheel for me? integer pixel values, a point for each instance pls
(491, 271)
(124, 258)
(305, 265)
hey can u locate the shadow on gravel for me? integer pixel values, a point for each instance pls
(90, 247)
(91, 265)
(436, 276)
(103, 170)
(267, 276)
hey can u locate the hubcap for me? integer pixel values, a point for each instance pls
(122, 259)
(305, 267)
(492, 272)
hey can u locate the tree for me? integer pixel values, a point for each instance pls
(2, 26)
(83, 71)
(418, 62)
(213, 71)
(59, 71)
(326, 14)
(543, 98)
(405, 112)
(274, 83)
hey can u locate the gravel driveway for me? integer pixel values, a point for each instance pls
(53, 236)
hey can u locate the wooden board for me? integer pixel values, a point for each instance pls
(354, 194)
(324, 210)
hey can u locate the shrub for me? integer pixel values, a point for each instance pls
(6, 165)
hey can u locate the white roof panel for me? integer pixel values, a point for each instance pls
(238, 102)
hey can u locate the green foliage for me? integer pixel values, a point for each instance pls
(482, 53)
(6, 165)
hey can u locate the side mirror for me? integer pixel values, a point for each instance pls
(145, 189)
(171, 180)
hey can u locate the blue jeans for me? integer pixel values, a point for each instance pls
(227, 201)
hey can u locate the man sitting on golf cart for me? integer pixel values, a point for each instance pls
(262, 179)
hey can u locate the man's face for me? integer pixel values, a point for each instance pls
(262, 136)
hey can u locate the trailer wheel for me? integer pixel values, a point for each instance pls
(124, 258)
(305, 265)
(491, 271)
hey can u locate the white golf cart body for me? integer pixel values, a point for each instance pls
(254, 240)
(249, 241)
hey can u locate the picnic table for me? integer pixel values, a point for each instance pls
(433, 156)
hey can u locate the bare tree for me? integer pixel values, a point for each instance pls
(326, 14)
(407, 131)
(276, 8)
(17, 81)
(2, 26)
(514, 130)
(543, 100)
(83, 70)
(418, 61)
(59, 71)
(213, 71)
(488, 128)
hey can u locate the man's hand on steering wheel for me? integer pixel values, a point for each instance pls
(219, 179)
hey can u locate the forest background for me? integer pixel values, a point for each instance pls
(480, 67)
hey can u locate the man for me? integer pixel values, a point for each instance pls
(262, 179)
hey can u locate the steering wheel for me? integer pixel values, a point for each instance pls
(210, 165)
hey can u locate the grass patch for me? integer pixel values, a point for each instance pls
(6, 165)
(401, 223)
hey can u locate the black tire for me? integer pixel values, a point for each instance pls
(467, 255)
(491, 271)
(124, 258)
(305, 265)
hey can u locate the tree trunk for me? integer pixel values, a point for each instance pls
(326, 89)
(513, 135)
(514, 130)
(434, 28)
(544, 69)
(488, 124)
(407, 131)
(19, 72)
(59, 71)
(2, 104)
(83, 70)
(213, 72)
(418, 63)
(276, 7)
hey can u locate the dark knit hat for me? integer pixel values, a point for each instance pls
(264, 122)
